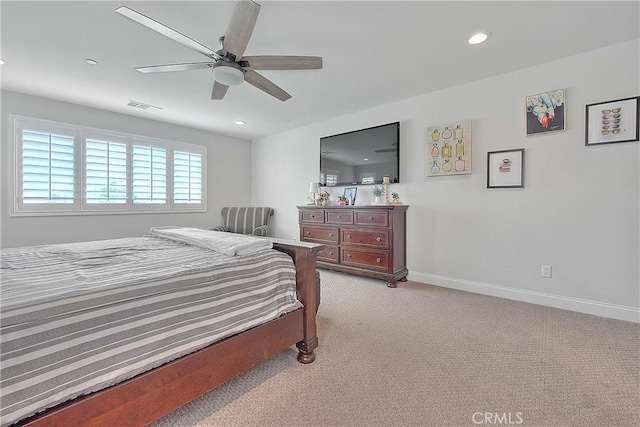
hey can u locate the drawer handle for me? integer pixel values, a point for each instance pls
(348, 255)
(378, 260)
(378, 239)
(331, 253)
(348, 236)
(330, 234)
(308, 233)
(339, 216)
(313, 216)
(370, 218)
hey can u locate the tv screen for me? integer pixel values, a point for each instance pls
(362, 156)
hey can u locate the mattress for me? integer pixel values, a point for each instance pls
(77, 318)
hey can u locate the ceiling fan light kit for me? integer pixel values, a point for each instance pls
(229, 66)
(228, 74)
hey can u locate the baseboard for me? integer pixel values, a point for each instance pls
(620, 312)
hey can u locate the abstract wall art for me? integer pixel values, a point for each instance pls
(545, 112)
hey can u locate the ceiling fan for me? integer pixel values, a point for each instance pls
(229, 67)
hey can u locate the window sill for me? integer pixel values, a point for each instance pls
(94, 213)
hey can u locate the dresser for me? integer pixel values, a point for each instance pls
(368, 241)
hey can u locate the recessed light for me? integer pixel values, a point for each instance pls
(91, 61)
(365, 160)
(240, 122)
(478, 38)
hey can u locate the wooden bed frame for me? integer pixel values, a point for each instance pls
(154, 394)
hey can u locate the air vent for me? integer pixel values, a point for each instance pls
(141, 105)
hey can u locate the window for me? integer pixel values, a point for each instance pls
(187, 177)
(105, 172)
(47, 168)
(149, 175)
(46, 177)
(71, 169)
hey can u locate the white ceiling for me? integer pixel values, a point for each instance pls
(374, 53)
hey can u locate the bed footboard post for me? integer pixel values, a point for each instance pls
(304, 257)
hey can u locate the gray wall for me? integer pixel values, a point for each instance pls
(228, 176)
(578, 211)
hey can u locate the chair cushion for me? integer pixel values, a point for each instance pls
(245, 220)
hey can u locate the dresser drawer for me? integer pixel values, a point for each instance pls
(372, 218)
(378, 260)
(378, 239)
(329, 254)
(340, 217)
(319, 234)
(312, 215)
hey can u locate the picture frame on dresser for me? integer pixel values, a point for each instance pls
(350, 195)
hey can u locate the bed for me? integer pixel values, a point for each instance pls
(121, 332)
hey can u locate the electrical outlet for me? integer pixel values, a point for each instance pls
(546, 271)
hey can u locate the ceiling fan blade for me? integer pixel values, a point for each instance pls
(273, 62)
(219, 90)
(166, 31)
(265, 85)
(240, 28)
(175, 67)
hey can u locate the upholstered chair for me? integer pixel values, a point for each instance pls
(246, 220)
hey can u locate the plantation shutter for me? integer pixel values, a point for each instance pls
(187, 177)
(66, 169)
(47, 168)
(106, 172)
(149, 175)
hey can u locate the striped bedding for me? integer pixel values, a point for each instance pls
(77, 318)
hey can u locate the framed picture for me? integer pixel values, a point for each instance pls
(612, 121)
(505, 169)
(350, 194)
(545, 112)
(448, 149)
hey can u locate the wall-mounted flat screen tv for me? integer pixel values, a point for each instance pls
(361, 157)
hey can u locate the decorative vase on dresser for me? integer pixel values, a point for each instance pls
(367, 241)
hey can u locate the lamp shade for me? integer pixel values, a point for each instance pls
(228, 75)
(314, 187)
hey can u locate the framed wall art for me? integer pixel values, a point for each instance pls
(545, 112)
(612, 121)
(448, 149)
(505, 169)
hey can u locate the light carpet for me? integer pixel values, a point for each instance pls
(422, 355)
